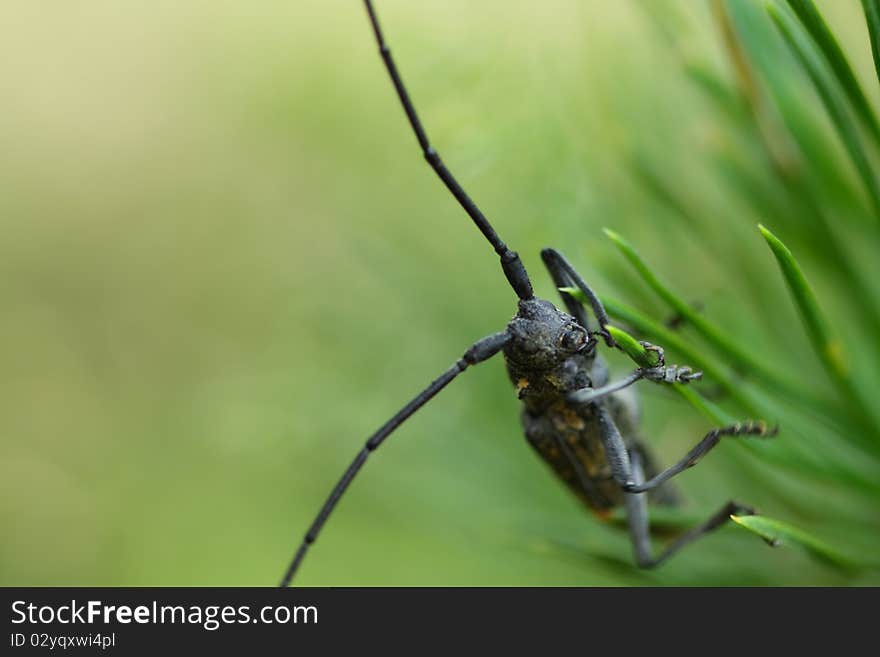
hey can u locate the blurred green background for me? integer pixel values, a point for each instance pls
(224, 263)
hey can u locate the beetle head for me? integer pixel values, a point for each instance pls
(542, 336)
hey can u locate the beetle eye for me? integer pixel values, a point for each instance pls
(573, 339)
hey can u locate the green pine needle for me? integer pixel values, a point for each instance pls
(824, 39)
(726, 346)
(780, 533)
(832, 98)
(711, 411)
(872, 18)
(824, 340)
(672, 341)
(825, 343)
(632, 348)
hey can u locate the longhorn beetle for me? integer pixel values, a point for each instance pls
(580, 424)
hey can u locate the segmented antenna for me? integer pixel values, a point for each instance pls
(510, 262)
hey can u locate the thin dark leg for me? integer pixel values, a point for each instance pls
(510, 262)
(563, 273)
(478, 352)
(709, 441)
(639, 528)
(619, 459)
(615, 449)
(595, 394)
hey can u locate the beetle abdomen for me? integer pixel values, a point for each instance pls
(568, 440)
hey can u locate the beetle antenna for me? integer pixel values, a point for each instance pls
(510, 262)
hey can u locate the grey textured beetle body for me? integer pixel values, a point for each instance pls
(550, 355)
(577, 421)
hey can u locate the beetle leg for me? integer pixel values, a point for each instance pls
(709, 441)
(639, 527)
(594, 394)
(618, 457)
